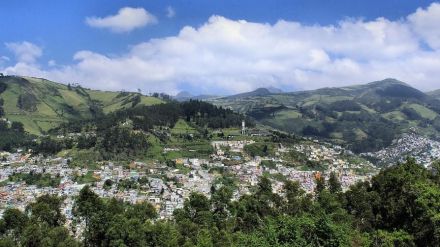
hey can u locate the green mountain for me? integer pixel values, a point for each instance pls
(257, 92)
(41, 104)
(362, 117)
(435, 94)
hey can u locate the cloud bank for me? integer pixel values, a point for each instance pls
(25, 52)
(127, 19)
(230, 56)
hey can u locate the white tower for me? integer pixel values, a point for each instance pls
(243, 127)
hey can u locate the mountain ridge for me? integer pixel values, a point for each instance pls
(363, 117)
(41, 104)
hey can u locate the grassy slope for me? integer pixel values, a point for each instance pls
(56, 103)
(435, 94)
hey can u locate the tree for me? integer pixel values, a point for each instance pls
(204, 239)
(320, 184)
(391, 239)
(220, 201)
(14, 222)
(334, 185)
(359, 202)
(142, 211)
(295, 200)
(87, 207)
(47, 209)
(17, 126)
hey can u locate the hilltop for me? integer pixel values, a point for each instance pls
(41, 104)
(362, 117)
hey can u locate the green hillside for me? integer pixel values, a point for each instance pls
(41, 104)
(435, 94)
(362, 117)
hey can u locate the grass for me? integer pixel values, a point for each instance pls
(287, 114)
(87, 178)
(394, 116)
(182, 127)
(423, 111)
(85, 158)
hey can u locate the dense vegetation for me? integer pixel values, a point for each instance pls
(399, 207)
(13, 136)
(146, 118)
(2, 101)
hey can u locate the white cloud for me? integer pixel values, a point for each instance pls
(25, 52)
(229, 56)
(170, 12)
(52, 63)
(126, 20)
(426, 23)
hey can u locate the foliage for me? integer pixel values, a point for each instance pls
(13, 136)
(259, 149)
(38, 179)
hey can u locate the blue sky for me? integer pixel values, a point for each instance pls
(60, 43)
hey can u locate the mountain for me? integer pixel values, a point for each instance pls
(435, 94)
(42, 104)
(274, 90)
(185, 96)
(256, 93)
(362, 117)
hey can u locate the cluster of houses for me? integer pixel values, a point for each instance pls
(423, 149)
(165, 186)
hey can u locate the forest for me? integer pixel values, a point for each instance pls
(399, 207)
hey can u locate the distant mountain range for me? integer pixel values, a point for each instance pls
(41, 104)
(363, 117)
(184, 96)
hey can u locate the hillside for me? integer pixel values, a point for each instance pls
(41, 104)
(435, 94)
(257, 92)
(362, 117)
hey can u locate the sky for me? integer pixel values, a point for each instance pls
(221, 46)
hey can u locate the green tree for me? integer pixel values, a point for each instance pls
(47, 209)
(334, 185)
(320, 184)
(14, 222)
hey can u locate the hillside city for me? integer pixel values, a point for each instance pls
(167, 187)
(220, 123)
